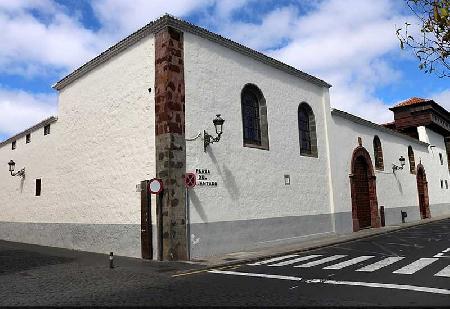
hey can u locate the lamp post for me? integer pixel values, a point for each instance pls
(12, 166)
(402, 164)
(209, 139)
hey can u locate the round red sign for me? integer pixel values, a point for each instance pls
(155, 186)
(190, 180)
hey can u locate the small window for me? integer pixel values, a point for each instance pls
(441, 159)
(13, 145)
(28, 138)
(442, 184)
(378, 153)
(446, 184)
(38, 187)
(412, 161)
(47, 129)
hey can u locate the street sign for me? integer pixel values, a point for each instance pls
(155, 186)
(190, 180)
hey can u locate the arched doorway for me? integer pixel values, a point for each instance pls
(363, 191)
(422, 189)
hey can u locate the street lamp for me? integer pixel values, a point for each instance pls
(12, 166)
(209, 139)
(396, 167)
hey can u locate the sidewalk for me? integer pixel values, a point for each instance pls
(242, 257)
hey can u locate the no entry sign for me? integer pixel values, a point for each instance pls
(190, 180)
(155, 186)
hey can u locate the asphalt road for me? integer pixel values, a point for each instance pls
(410, 267)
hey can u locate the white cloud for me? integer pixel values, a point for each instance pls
(57, 42)
(31, 45)
(124, 17)
(20, 110)
(442, 98)
(343, 42)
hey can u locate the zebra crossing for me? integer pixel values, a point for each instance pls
(341, 261)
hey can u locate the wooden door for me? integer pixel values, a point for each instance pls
(362, 194)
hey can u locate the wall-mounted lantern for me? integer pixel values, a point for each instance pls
(396, 167)
(209, 139)
(12, 166)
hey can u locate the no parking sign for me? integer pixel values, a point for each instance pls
(155, 186)
(190, 180)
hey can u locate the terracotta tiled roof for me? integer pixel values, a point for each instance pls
(412, 101)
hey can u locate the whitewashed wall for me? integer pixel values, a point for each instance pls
(251, 181)
(100, 148)
(395, 191)
(437, 172)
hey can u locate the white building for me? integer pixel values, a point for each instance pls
(285, 167)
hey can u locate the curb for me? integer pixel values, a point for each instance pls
(313, 247)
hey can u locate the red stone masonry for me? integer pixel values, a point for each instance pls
(170, 142)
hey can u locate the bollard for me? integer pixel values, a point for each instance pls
(111, 260)
(382, 216)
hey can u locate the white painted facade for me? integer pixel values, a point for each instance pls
(103, 145)
(215, 77)
(98, 150)
(394, 190)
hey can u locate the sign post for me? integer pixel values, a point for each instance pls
(155, 186)
(190, 181)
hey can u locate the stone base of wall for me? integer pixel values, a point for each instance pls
(122, 239)
(208, 239)
(440, 209)
(343, 220)
(393, 216)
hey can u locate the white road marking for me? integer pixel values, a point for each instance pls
(350, 262)
(446, 250)
(334, 282)
(300, 259)
(444, 272)
(384, 286)
(236, 273)
(415, 266)
(380, 264)
(273, 260)
(321, 261)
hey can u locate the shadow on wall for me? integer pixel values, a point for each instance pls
(228, 179)
(399, 184)
(194, 200)
(22, 180)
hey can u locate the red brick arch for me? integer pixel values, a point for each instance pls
(422, 190)
(363, 190)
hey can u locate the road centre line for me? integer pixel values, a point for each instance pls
(236, 273)
(335, 282)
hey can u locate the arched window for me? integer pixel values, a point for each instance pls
(307, 131)
(254, 117)
(412, 160)
(378, 153)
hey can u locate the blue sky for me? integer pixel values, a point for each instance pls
(350, 44)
